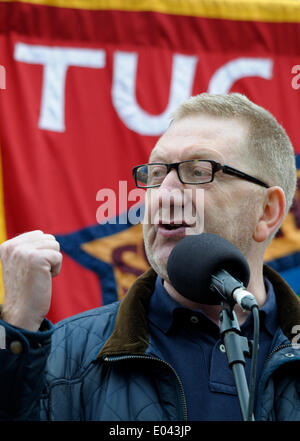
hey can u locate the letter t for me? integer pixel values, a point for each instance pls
(56, 61)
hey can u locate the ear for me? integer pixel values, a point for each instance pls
(273, 214)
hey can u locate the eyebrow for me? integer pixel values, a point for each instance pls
(196, 153)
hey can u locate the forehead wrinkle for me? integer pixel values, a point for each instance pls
(194, 151)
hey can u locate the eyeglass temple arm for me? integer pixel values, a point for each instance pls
(234, 172)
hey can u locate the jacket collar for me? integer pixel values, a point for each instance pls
(288, 303)
(130, 333)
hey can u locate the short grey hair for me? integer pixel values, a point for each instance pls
(271, 153)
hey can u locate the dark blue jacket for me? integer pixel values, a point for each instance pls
(102, 365)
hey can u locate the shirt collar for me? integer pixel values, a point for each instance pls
(162, 307)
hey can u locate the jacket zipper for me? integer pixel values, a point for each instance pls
(276, 349)
(148, 357)
(288, 345)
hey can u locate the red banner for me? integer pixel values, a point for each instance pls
(88, 93)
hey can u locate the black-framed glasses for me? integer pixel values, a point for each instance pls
(194, 171)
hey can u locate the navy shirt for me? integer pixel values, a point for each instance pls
(189, 341)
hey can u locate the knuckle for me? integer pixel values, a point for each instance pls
(49, 236)
(37, 232)
(32, 256)
(17, 253)
(30, 234)
(21, 253)
(56, 256)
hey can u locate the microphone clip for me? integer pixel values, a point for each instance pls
(232, 337)
(223, 284)
(232, 290)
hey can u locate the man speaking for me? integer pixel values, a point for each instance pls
(157, 354)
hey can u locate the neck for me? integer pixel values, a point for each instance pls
(256, 287)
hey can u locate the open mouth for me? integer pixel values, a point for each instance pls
(172, 226)
(172, 230)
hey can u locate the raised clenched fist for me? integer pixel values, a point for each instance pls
(29, 262)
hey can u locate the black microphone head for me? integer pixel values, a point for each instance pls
(196, 258)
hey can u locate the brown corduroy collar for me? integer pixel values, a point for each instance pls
(130, 334)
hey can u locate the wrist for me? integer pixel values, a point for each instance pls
(20, 319)
(20, 341)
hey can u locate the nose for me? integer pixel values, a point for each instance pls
(166, 201)
(171, 180)
(170, 196)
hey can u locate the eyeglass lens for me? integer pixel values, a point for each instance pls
(190, 172)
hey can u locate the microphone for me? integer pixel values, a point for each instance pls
(208, 269)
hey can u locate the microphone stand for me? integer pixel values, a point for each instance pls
(237, 347)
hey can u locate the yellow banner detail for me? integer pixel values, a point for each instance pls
(124, 251)
(247, 10)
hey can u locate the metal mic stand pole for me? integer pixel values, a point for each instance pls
(236, 348)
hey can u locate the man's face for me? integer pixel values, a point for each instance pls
(229, 202)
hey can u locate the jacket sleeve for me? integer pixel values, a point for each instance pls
(23, 358)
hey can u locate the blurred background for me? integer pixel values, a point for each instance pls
(86, 89)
